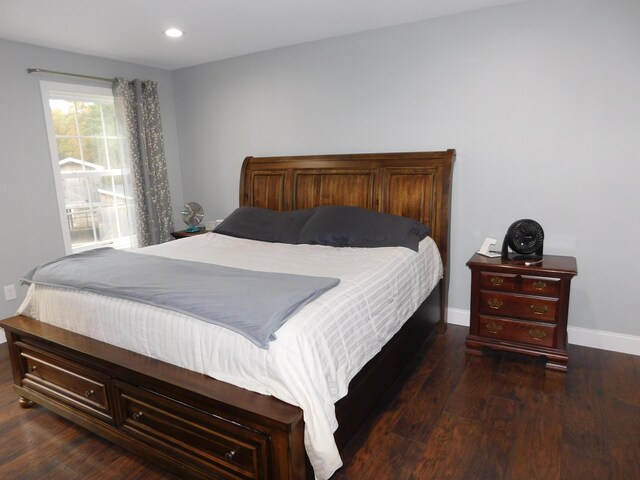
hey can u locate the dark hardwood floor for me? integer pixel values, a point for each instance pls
(450, 416)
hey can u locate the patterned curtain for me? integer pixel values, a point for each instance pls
(139, 110)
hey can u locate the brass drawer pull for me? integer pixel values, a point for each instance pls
(88, 393)
(497, 281)
(493, 327)
(537, 334)
(495, 303)
(137, 415)
(32, 368)
(229, 455)
(539, 285)
(539, 309)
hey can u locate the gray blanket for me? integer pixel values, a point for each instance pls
(253, 304)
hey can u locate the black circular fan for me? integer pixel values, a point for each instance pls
(525, 237)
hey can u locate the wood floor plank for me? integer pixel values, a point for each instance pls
(85, 454)
(497, 437)
(400, 458)
(537, 446)
(25, 430)
(585, 451)
(469, 398)
(448, 453)
(623, 377)
(578, 464)
(623, 438)
(536, 450)
(132, 468)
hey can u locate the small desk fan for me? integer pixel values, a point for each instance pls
(192, 215)
(525, 237)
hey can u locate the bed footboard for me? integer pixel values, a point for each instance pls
(183, 421)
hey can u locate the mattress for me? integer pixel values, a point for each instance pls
(316, 352)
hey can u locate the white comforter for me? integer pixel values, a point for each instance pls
(317, 351)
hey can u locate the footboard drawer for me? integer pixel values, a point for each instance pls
(64, 380)
(216, 446)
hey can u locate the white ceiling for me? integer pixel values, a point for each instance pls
(131, 30)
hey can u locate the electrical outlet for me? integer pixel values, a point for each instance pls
(10, 292)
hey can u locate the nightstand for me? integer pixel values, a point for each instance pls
(184, 233)
(521, 308)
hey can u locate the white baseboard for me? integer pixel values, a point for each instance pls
(615, 342)
(457, 316)
(3, 338)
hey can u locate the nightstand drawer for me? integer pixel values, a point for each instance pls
(541, 286)
(522, 306)
(513, 330)
(498, 281)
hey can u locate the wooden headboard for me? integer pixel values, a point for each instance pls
(415, 185)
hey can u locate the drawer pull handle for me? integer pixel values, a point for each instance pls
(32, 368)
(137, 415)
(538, 285)
(229, 455)
(497, 281)
(88, 393)
(539, 309)
(537, 334)
(495, 303)
(493, 327)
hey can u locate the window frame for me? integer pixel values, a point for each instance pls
(74, 90)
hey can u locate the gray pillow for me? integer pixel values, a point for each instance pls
(340, 226)
(264, 224)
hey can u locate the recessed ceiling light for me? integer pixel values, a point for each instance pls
(173, 32)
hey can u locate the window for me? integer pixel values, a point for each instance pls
(92, 183)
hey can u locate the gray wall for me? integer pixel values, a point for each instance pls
(29, 218)
(539, 98)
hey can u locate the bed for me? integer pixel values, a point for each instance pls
(200, 427)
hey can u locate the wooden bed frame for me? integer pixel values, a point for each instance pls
(200, 427)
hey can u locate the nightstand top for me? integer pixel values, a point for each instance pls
(550, 264)
(184, 233)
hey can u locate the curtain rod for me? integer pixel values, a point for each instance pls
(90, 77)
